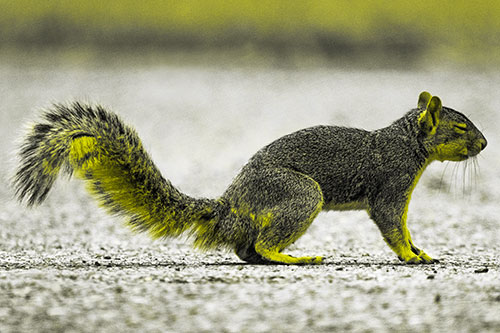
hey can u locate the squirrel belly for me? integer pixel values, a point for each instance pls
(277, 194)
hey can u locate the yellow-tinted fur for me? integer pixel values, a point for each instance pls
(277, 194)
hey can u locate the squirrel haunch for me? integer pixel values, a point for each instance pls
(277, 194)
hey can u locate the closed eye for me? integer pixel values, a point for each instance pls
(460, 128)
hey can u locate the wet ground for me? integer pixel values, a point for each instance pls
(67, 267)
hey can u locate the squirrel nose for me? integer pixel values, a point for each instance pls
(483, 143)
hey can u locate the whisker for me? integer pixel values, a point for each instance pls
(464, 177)
(477, 171)
(441, 181)
(471, 177)
(454, 176)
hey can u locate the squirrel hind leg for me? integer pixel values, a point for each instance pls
(273, 239)
(289, 222)
(280, 204)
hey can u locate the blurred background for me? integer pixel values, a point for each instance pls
(363, 32)
(207, 83)
(279, 65)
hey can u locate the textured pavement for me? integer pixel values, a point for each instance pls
(67, 267)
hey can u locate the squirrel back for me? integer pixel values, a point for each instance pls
(277, 194)
(350, 164)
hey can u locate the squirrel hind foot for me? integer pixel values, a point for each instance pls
(276, 257)
(269, 257)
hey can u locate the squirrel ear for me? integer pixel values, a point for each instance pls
(423, 99)
(429, 119)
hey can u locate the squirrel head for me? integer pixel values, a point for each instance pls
(447, 134)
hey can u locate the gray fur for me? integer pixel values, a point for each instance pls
(277, 194)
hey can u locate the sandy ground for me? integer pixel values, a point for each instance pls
(67, 267)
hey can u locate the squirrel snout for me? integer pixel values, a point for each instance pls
(483, 143)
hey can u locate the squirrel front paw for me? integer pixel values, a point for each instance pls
(421, 258)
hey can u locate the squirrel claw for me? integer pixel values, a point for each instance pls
(317, 260)
(421, 259)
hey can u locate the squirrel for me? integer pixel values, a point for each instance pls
(275, 196)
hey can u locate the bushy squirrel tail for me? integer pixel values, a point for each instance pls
(96, 146)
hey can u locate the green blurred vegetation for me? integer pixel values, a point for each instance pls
(456, 30)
